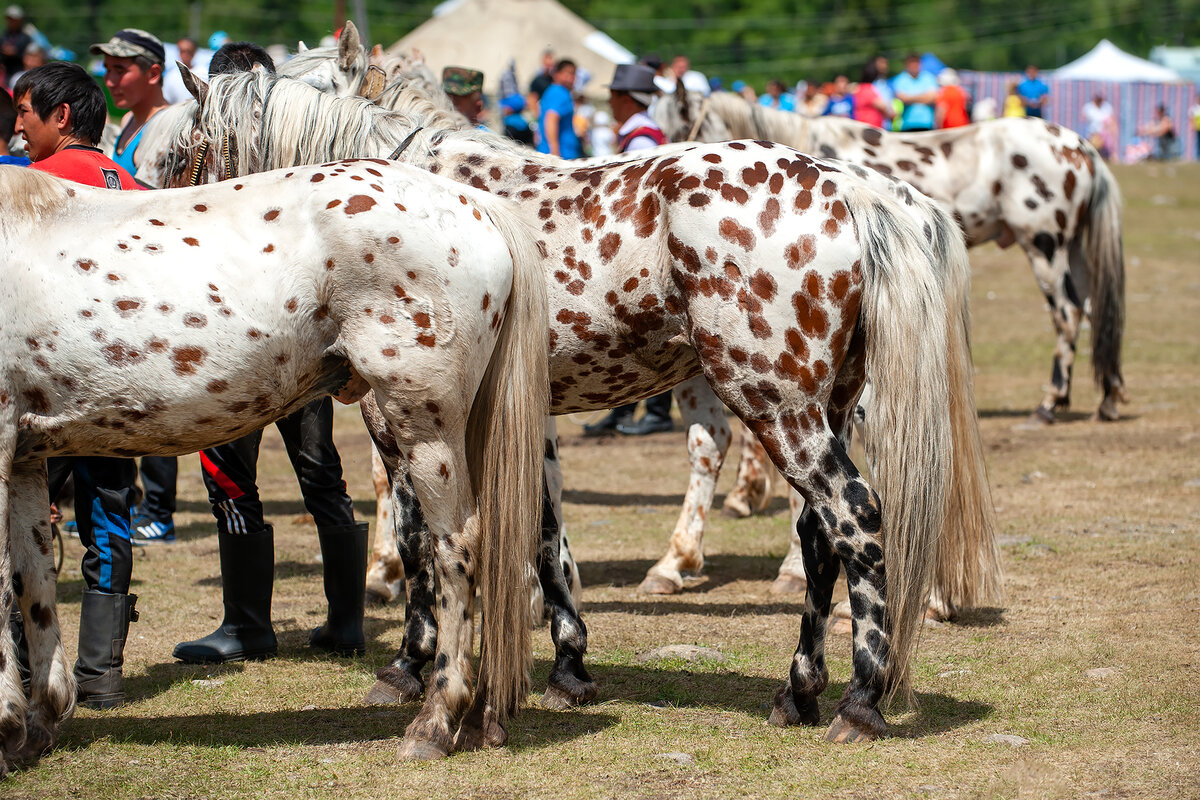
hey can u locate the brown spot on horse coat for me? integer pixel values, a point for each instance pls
(271, 215)
(731, 230)
(126, 306)
(193, 320)
(359, 203)
(186, 359)
(85, 264)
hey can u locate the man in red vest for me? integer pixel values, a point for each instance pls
(631, 92)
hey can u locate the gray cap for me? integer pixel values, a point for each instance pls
(131, 43)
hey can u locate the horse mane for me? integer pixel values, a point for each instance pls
(279, 122)
(29, 194)
(412, 84)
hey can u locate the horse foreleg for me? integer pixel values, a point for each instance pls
(752, 490)
(52, 686)
(385, 574)
(707, 441)
(792, 578)
(1051, 268)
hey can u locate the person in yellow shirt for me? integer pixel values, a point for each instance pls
(1013, 105)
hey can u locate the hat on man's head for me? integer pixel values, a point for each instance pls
(461, 81)
(633, 78)
(131, 43)
(14, 12)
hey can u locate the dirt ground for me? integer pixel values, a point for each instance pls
(1083, 684)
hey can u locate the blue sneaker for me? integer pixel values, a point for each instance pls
(145, 531)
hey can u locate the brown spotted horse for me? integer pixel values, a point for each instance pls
(786, 281)
(167, 322)
(1011, 181)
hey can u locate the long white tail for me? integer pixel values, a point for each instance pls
(911, 446)
(505, 448)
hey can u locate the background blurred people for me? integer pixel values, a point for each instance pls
(777, 97)
(1162, 130)
(917, 89)
(870, 106)
(950, 110)
(841, 102)
(556, 126)
(1034, 93)
(1100, 125)
(1013, 107)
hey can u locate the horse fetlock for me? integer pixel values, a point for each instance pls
(737, 504)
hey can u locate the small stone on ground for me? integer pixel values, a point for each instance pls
(207, 683)
(1099, 673)
(682, 759)
(684, 652)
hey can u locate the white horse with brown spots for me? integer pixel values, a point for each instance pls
(162, 323)
(1011, 181)
(786, 281)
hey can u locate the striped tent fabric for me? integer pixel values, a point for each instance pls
(1133, 103)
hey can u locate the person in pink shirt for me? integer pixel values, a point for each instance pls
(870, 106)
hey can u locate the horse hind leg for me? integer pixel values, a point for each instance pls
(708, 440)
(52, 686)
(385, 574)
(1051, 268)
(752, 490)
(400, 680)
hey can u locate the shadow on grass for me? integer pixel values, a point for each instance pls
(1061, 415)
(989, 617)
(718, 571)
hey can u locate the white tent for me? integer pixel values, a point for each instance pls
(1107, 62)
(488, 34)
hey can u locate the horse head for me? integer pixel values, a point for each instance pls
(340, 71)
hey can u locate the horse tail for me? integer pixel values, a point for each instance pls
(968, 568)
(1106, 259)
(903, 317)
(505, 432)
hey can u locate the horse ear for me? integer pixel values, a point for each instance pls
(349, 45)
(301, 47)
(681, 102)
(377, 54)
(192, 82)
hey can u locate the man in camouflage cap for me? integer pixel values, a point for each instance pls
(465, 88)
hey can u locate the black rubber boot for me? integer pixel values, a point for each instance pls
(103, 625)
(608, 425)
(247, 578)
(344, 553)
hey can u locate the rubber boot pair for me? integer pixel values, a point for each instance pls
(247, 578)
(103, 627)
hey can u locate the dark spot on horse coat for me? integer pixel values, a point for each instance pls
(1019, 161)
(187, 358)
(1045, 242)
(359, 203)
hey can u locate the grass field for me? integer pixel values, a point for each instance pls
(1092, 662)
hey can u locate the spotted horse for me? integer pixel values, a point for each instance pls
(968, 572)
(163, 323)
(786, 281)
(1011, 181)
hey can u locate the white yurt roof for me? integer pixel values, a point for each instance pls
(1107, 62)
(488, 34)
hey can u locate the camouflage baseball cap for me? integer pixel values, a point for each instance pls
(131, 43)
(461, 81)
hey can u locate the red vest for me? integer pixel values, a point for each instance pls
(86, 165)
(645, 130)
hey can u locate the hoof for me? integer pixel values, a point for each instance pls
(736, 507)
(420, 750)
(394, 685)
(1107, 412)
(786, 713)
(938, 614)
(789, 584)
(561, 698)
(471, 737)
(842, 730)
(657, 584)
(842, 626)
(1040, 416)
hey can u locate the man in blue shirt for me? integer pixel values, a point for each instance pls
(918, 91)
(557, 122)
(1033, 93)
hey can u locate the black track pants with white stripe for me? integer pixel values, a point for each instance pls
(231, 472)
